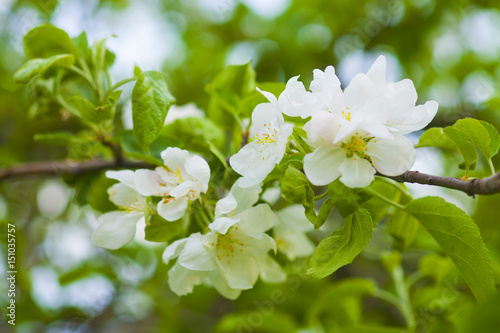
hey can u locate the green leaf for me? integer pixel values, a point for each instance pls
(82, 43)
(97, 195)
(46, 40)
(194, 133)
(459, 237)
(347, 200)
(494, 137)
(296, 188)
(38, 66)
(91, 113)
(435, 137)
(137, 70)
(151, 100)
(341, 246)
(160, 230)
(99, 54)
(477, 133)
(232, 84)
(298, 136)
(403, 227)
(464, 146)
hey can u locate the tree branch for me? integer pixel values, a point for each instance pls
(55, 168)
(486, 186)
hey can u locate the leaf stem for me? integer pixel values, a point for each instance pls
(492, 167)
(397, 275)
(321, 196)
(389, 298)
(84, 75)
(387, 200)
(400, 187)
(118, 84)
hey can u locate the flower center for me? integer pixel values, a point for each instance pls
(269, 135)
(357, 146)
(346, 115)
(228, 246)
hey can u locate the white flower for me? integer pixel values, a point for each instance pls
(369, 103)
(269, 133)
(355, 158)
(358, 131)
(185, 111)
(233, 253)
(289, 234)
(117, 228)
(182, 178)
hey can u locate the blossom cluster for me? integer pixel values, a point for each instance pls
(352, 134)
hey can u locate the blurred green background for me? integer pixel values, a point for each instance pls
(450, 49)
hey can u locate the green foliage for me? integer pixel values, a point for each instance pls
(460, 239)
(151, 100)
(465, 136)
(341, 246)
(46, 41)
(38, 66)
(159, 230)
(347, 200)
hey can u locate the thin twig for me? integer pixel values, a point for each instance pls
(56, 168)
(485, 186)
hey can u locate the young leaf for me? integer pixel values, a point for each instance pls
(82, 43)
(160, 230)
(233, 84)
(38, 66)
(151, 100)
(296, 188)
(477, 133)
(494, 137)
(347, 200)
(435, 137)
(459, 237)
(464, 146)
(341, 246)
(46, 40)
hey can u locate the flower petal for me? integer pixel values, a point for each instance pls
(226, 205)
(198, 168)
(245, 197)
(270, 96)
(391, 157)
(182, 280)
(257, 220)
(322, 128)
(172, 209)
(322, 165)
(188, 189)
(220, 284)
(356, 172)
(291, 99)
(149, 182)
(124, 176)
(270, 271)
(240, 272)
(222, 224)
(195, 256)
(173, 250)
(377, 73)
(404, 96)
(115, 229)
(293, 243)
(421, 116)
(174, 158)
(124, 196)
(293, 218)
(253, 163)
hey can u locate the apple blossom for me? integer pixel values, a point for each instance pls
(269, 134)
(233, 253)
(289, 233)
(182, 179)
(355, 158)
(117, 228)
